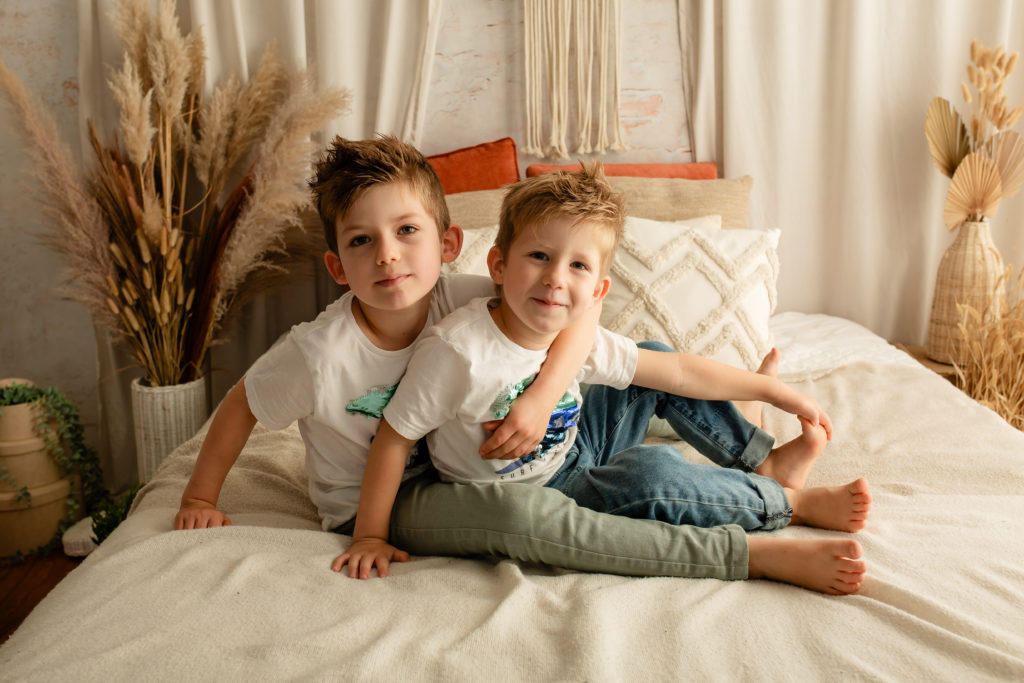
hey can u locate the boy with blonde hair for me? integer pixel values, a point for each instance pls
(551, 259)
(387, 227)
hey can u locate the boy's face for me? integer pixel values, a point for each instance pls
(389, 249)
(550, 278)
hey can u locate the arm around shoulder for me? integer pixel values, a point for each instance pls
(224, 441)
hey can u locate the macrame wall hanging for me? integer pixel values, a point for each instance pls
(590, 31)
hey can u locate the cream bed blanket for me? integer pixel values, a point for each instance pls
(943, 600)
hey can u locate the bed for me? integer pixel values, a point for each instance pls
(942, 600)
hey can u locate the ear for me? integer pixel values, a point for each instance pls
(334, 267)
(451, 243)
(496, 265)
(601, 291)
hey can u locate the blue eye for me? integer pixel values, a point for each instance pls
(358, 241)
(407, 230)
(579, 265)
(538, 255)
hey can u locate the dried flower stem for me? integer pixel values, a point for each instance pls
(992, 369)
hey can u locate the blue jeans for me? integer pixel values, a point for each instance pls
(610, 469)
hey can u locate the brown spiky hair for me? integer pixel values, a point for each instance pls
(349, 167)
(582, 196)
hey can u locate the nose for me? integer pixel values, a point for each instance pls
(554, 275)
(387, 251)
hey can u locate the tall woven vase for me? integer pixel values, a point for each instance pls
(165, 418)
(969, 273)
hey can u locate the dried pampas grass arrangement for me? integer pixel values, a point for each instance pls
(191, 202)
(991, 365)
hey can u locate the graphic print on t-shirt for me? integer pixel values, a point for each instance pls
(371, 406)
(372, 403)
(562, 419)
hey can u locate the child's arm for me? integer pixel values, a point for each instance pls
(383, 474)
(527, 421)
(228, 433)
(685, 374)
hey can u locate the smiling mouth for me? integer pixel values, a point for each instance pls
(392, 281)
(544, 303)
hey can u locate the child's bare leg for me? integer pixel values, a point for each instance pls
(752, 409)
(790, 464)
(826, 565)
(842, 508)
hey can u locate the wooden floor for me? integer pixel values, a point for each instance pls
(23, 585)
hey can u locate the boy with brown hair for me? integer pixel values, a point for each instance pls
(551, 259)
(387, 227)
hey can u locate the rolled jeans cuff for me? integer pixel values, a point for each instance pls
(757, 450)
(777, 511)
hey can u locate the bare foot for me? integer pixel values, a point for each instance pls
(842, 508)
(791, 463)
(825, 565)
(752, 409)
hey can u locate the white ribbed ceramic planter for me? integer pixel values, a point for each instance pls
(165, 418)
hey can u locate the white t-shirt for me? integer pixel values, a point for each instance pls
(331, 378)
(465, 372)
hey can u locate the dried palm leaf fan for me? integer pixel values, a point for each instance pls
(947, 136)
(975, 191)
(1007, 150)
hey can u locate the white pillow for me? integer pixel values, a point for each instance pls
(473, 257)
(696, 287)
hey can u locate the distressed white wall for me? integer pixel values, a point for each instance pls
(477, 87)
(476, 96)
(42, 337)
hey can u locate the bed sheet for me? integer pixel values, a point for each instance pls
(257, 600)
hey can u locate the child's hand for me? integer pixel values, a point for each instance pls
(199, 515)
(806, 408)
(363, 554)
(518, 434)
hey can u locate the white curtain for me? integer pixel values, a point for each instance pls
(823, 103)
(382, 50)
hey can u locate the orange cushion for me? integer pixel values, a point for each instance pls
(486, 166)
(702, 170)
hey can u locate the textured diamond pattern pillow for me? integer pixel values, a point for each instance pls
(473, 257)
(696, 287)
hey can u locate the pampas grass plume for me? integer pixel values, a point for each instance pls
(135, 106)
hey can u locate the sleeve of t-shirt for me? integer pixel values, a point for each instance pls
(431, 390)
(463, 288)
(279, 386)
(612, 361)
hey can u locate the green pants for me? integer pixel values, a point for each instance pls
(542, 525)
